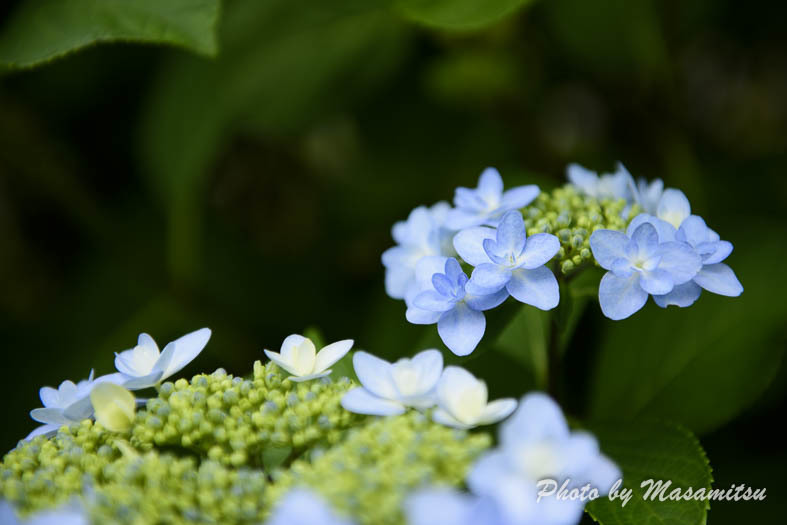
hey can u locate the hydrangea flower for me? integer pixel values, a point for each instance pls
(536, 444)
(648, 194)
(639, 264)
(618, 185)
(304, 507)
(714, 276)
(423, 234)
(144, 366)
(488, 202)
(443, 299)
(432, 505)
(673, 207)
(507, 258)
(300, 358)
(114, 406)
(69, 514)
(462, 401)
(67, 404)
(389, 388)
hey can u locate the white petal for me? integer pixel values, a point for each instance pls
(361, 401)
(539, 418)
(301, 379)
(50, 416)
(673, 207)
(300, 354)
(187, 348)
(461, 395)
(375, 375)
(430, 368)
(445, 418)
(280, 361)
(139, 383)
(43, 430)
(497, 410)
(145, 340)
(331, 353)
(49, 397)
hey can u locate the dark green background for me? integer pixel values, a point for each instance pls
(145, 189)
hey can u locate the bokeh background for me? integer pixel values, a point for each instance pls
(144, 188)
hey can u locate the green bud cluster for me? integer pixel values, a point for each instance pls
(163, 488)
(573, 217)
(368, 475)
(233, 420)
(43, 473)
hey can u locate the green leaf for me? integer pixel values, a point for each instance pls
(274, 457)
(698, 366)
(459, 15)
(43, 30)
(657, 451)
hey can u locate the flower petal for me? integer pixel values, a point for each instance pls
(490, 185)
(720, 279)
(114, 406)
(361, 401)
(510, 235)
(426, 268)
(673, 207)
(680, 260)
(722, 250)
(469, 244)
(461, 329)
(374, 374)
(331, 353)
(49, 397)
(280, 361)
(646, 238)
(445, 418)
(417, 315)
(139, 383)
(607, 246)
(50, 416)
(309, 377)
(488, 278)
(43, 430)
(433, 301)
(483, 302)
(519, 197)
(299, 353)
(584, 179)
(620, 297)
(539, 250)
(497, 410)
(656, 282)
(682, 295)
(537, 287)
(187, 348)
(538, 418)
(666, 230)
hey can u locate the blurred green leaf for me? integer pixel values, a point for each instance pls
(657, 451)
(278, 72)
(698, 366)
(458, 14)
(43, 30)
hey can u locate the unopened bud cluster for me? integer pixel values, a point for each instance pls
(573, 217)
(370, 473)
(232, 419)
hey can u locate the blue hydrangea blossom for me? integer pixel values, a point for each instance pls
(423, 234)
(507, 259)
(640, 264)
(443, 299)
(617, 185)
(304, 507)
(487, 203)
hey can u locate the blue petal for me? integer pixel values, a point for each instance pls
(682, 295)
(426, 268)
(657, 282)
(720, 279)
(646, 238)
(722, 251)
(442, 285)
(511, 233)
(680, 260)
(519, 197)
(439, 505)
(582, 178)
(482, 302)
(607, 246)
(539, 250)
(620, 297)
(537, 419)
(417, 315)
(666, 230)
(537, 287)
(461, 329)
(459, 218)
(469, 244)
(673, 207)
(693, 230)
(488, 278)
(453, 270)
(621, 267)
(490, 185)
(433, 301)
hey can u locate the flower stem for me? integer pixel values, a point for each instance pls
(554, 361)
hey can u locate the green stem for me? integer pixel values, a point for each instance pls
(554, 361)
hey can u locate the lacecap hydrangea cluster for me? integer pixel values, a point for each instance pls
(224, 449)
(452, 263)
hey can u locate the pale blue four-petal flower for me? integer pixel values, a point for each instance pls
(507, 259)
(444, 300)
